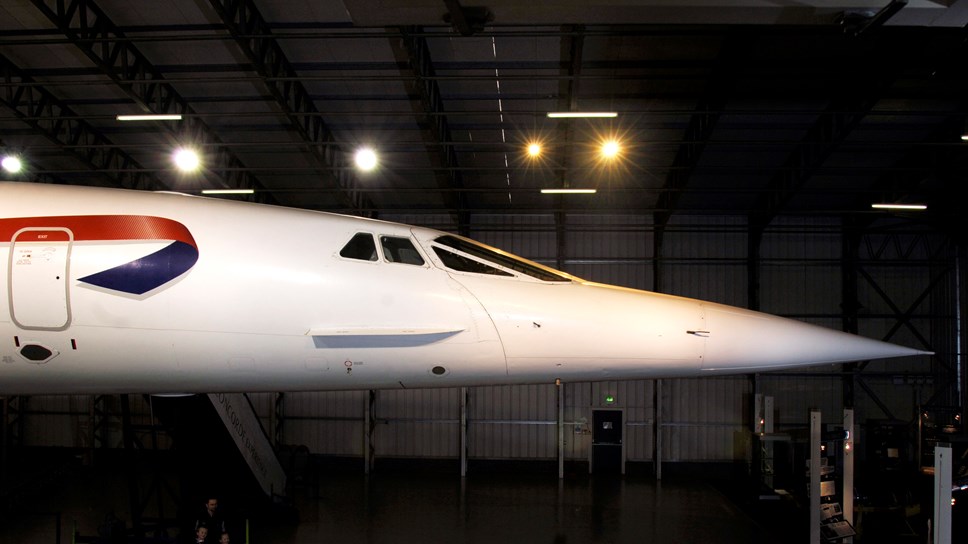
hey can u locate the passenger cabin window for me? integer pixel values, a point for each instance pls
(400, 250)
(491, 256)
(361, 247)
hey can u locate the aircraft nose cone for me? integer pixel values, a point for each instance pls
(743, 339)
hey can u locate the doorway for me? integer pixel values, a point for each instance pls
(607, 449)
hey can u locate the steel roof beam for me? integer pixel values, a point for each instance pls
(832, 127)
(45, 113)
(571, 54)
(253, 36)
(700, 129)
(93, 33)
(436, 130)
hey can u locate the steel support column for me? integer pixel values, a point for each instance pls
(560, 400)
(463, 432)
(4, 442)
(849, 301)
(369, 425)
(277, 423)
(657, 429)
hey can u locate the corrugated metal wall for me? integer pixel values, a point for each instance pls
(701, 419)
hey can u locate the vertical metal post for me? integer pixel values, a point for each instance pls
(768, 414)
(91, 429)
(272, 425)
(3, 441)
(134, 490)
(591, 425)
(657, 431)
(942, 495)
(815, 438)
(848, 490)
(368, 425)
(463, 432)
(759, 420)
(560, 396)
(279, 420)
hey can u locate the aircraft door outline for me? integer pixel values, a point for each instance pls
(38, 278)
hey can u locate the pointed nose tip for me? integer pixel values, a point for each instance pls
(742, 339)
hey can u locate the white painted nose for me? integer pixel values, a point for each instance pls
(741, 339)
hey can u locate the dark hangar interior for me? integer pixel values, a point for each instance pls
(747, 152)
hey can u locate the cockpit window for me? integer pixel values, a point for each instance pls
(461, 263)
(361, 247)
(503, 260)
(400, 250)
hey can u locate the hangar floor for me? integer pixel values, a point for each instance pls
(426, 506)
(69, 502)
(518, 507)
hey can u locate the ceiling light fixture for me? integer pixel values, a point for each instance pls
(366, 159)
(568, 191)
(581, 114)
(899, 206)
(611, 149)
(12, 164)
(534, 150)
(147, 117)
(187, 160)
(228, 191)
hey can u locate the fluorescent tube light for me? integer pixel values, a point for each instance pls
(580, 114)
(228, 191)
(899, 206)
(150, 117)
(568, 191)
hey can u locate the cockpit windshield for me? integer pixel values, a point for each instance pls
(461, 263)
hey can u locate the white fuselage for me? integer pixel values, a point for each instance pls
(270, 301)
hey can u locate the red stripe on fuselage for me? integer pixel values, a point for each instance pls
(103, 227)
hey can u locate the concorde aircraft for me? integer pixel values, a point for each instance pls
(114, 291)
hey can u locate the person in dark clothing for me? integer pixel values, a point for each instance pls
(212, 519)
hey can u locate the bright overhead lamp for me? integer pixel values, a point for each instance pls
(568, 191)
(186, 159)
(582, 114)
(12, 164)
(611, 149)
(150, 117)
(228, 191)
(534, 150)
(899, 206)
(366, 159)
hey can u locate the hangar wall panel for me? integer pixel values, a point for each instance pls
(800, 274)
(577, 418)
(512, 422)
(328, 422)
(66, 420)
(614, 249)
(705, 258)
(531, 236)
(443, 221)
(705, 419)
(794, 396)
(417, 423)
